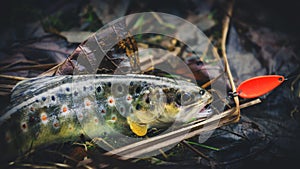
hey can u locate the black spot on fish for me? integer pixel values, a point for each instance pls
(138, 107)
(53, 98)
(138, 89)
(67, 89)
(109, 84)
(130, 110)
(120, 88)
(144, 84)
(170, 100)
(98, 89)
(44, 98)
(157, 96)
(147, 100)
(24, 126)
(31, 119)
(131, 83)
(122, 109)
(75, 93)
(178, 98)
(84, 88)
(104, 134)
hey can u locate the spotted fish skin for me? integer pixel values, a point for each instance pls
(61, 108)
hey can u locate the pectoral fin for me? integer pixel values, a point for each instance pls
(137, 128)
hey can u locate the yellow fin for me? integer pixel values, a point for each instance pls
(136, 128)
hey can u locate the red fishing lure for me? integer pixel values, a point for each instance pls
(258, 86)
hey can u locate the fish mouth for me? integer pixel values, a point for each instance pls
(205, 102)
(191, 111)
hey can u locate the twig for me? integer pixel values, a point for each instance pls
(226, 22)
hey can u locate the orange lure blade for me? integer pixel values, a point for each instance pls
(258, 86)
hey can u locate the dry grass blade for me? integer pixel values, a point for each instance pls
(37, 166)
(204, 86)
(7, 66)
(56, 69)
(33, 67)
(63, 155)
(13, 77)
(226, 23)
(6, 87)
(62, 165)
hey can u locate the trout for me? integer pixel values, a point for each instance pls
(53, 109)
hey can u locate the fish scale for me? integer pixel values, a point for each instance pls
(46, 110)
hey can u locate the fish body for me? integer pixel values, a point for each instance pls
(61, 108)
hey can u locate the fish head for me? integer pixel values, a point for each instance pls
(160, 106)
(191, 101)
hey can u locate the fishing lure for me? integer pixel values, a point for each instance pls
(258, 86)
(60, 108)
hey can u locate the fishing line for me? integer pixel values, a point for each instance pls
(292, 77)
(295, 74)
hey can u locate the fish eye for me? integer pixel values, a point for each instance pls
(202, 92)
(186, 97)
